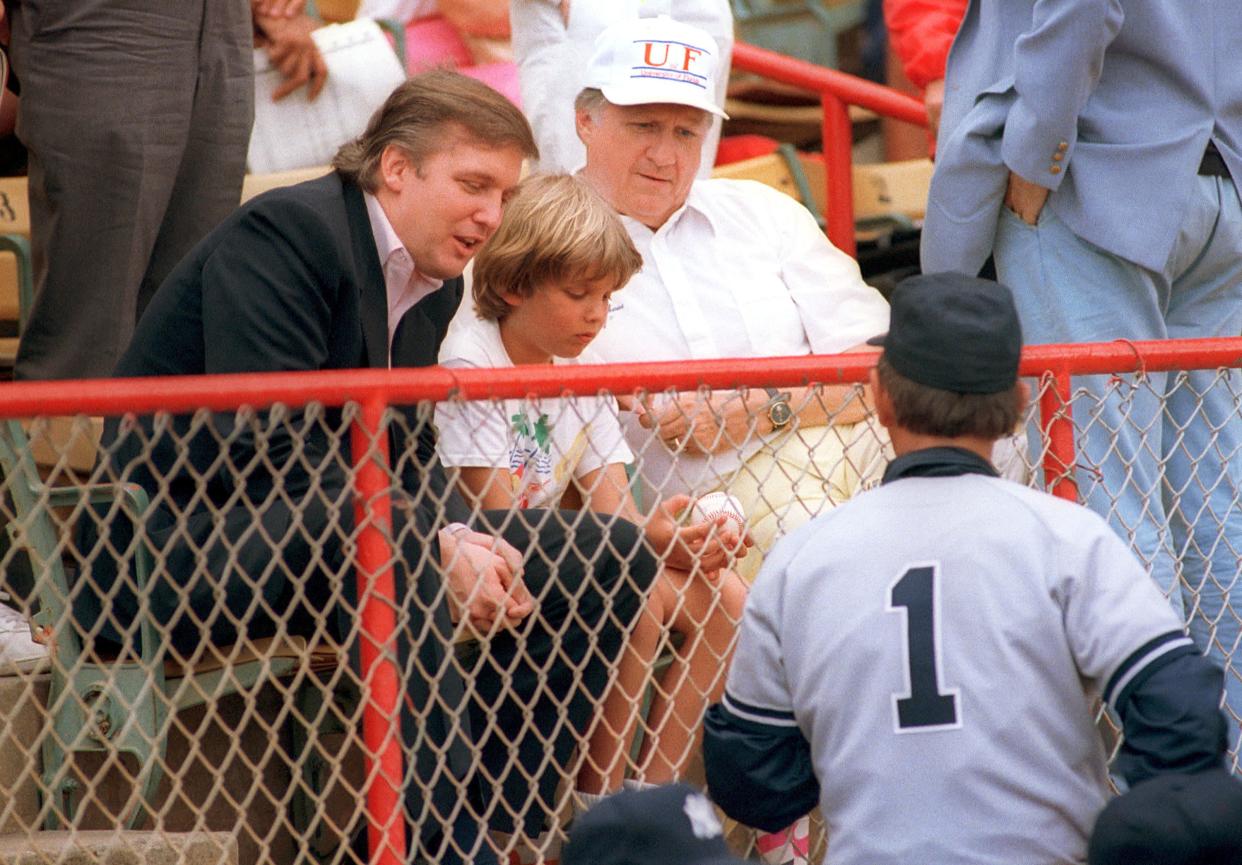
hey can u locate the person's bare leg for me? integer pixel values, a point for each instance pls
(608, 742)
(707, 616)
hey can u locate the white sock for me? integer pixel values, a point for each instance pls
(584, 801)
(635, 784)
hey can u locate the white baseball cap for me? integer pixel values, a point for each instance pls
(643, 61)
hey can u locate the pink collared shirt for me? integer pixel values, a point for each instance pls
(404, 285)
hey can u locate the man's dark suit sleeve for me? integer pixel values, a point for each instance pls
(270, 294)
(267, 301)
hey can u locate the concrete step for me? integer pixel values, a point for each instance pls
(118, 848)
(22, 717)
(225, 769)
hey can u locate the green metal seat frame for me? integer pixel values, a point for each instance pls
(94, 705)
(801, 28)
(20, 247)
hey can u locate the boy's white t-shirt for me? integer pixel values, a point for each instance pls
(542, 442)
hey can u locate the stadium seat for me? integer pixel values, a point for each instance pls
(16, 277)
(885, 193)
(800, 28)
(255, 184)
(122, 706)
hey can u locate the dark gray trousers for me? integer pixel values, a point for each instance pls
(137, 116)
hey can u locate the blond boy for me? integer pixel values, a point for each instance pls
(542, 290)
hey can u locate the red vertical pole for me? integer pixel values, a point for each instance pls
(1056, 425)
(838, 169)
(382, 756)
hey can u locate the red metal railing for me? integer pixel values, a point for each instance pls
(374, 390)
(837, 91)
(396, 387)
(378, 646)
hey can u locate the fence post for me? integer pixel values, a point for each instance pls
(838, 169)
(381, 683)
(1056, 425)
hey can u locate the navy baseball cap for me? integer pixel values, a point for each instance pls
(1172, 819)
(670, 825)
(953, 332)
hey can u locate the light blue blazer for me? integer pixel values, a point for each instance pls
(1108, 103)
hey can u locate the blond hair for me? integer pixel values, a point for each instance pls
(423, 114)
(555, 228)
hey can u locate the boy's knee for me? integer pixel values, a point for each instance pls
(733, 593)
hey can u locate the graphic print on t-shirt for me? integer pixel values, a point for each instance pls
(530, 456)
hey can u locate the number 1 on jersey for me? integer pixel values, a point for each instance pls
(923, 707)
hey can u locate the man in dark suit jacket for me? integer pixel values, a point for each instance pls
(251, 513)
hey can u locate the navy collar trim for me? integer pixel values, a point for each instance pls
(941, 462)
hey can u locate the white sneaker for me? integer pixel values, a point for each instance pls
(19, 653)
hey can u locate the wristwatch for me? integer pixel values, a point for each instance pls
(779, 411)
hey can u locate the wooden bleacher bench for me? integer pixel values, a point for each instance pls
(10, 308)
(16, 277)
(257, 183)
(885, 190)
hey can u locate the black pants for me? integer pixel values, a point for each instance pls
(532, 693)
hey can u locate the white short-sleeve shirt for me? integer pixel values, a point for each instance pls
(741, 270)
(543, 443)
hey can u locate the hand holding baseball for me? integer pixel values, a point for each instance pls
(721, 520)
(707, 544)
(713, 506)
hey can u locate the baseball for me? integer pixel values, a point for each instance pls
(713, 505)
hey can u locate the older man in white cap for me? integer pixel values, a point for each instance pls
(732, 269)
(552, 42)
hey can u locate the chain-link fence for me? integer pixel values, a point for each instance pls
(292, 632)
